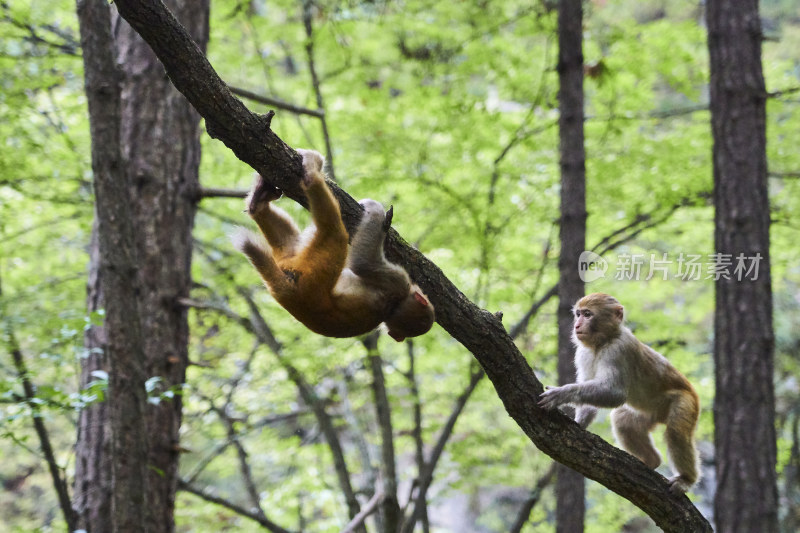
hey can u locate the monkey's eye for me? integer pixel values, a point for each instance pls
(587, 313)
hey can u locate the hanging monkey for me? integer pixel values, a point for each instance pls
(615, 369)
(334, 289)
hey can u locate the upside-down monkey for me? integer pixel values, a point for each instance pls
(615, 369)
(334, 289)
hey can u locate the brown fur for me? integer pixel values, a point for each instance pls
(334, 289)
(615, 369)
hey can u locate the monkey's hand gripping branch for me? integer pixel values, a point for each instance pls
(556, 396)
(593, 393)
(248, 135)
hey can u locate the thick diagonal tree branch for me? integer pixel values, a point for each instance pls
(482, 333)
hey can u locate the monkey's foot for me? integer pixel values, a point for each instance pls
(373, 210)
(262, 193)
(312, 166)
(679, 484)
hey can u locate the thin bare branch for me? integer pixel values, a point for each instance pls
(69, 45)
(307, 23)
(370, 507)
(29, 390)
(424, 482)
(219, 308)
(419, 445)
(275, 102)
(242, 456)
(520, 326)
(259, 327)
(212, 192)
(220, 447)
(391, 509)
(238, 509)
(783, 92)
(784, 174)
(533, 498)
(652, 115)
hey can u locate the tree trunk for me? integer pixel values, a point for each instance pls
(93, 488)
(746, 497)
(160, 142)
(570, 508)
(111, 475)
(156, 134)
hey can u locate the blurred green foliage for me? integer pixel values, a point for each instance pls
(448, 111)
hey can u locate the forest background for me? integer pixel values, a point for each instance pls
(449, 112)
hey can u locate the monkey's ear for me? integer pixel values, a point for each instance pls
(420, 299)
(619, 313)
(387, 221)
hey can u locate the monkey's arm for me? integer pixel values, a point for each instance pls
(323, 206)
(593, 392)
(366, 259)
(367, 244)
(322, 260)
(606, 389)
(366, 249)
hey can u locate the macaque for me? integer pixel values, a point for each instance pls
(615, 369)
(334, 289)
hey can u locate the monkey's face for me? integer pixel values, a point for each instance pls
(598, 318)
(583, 323)
(413, 317)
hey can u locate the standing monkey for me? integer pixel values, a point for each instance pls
(334, 289)
(615, 369)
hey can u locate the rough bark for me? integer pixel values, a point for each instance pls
(249, 137)
(92, 493)
(145, 135)
(744, 405)
(570, 507)
(113, 448)
(161, 148)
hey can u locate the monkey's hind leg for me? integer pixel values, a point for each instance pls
(632, 430)
(681, 423)
(261, 258)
